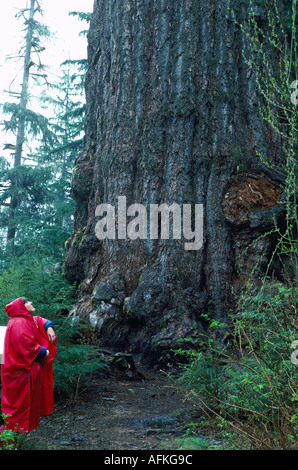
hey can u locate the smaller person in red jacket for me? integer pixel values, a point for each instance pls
(27, 367)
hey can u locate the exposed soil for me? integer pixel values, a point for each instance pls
(113, 413)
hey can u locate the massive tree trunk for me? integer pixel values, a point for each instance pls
(172, 117)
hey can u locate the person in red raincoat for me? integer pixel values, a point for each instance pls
(27, 367)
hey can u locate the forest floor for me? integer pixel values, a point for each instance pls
(114, 413)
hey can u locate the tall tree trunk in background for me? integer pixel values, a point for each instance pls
(20, 136)
(172, 116)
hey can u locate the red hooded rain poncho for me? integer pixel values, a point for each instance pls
(27, 383)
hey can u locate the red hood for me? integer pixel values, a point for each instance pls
(17, 309)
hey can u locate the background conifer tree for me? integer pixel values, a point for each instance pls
(20, 182)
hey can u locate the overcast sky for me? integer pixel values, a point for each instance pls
(65, 44)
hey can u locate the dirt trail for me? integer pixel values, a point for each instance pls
(115, 414)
